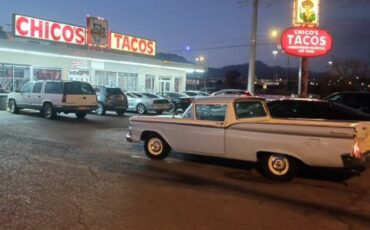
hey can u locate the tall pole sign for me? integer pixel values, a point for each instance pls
(305, 39)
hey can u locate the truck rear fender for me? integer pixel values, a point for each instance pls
(292, 155)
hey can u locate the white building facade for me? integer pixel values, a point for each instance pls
(24, 58)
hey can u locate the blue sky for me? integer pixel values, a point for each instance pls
(209, 25)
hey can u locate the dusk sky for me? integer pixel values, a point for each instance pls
(216, 29)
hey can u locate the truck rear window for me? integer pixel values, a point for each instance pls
(249, 109)
(78, 88)
(54, 87)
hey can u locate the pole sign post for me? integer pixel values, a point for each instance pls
(306, 42)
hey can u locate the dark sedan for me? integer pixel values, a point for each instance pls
(314, 109)
(177, 100)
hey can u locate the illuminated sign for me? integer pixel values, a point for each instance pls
(36, 28)
(306, 13)
(132, 44)
(97, 32)
(306, 42)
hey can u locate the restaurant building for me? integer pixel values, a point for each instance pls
(40, 49)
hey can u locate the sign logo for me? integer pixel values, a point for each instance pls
(306, 13)
(97, 32)
(48, 30)
(306, 42)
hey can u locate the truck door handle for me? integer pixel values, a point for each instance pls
(39, 96)
(83, 97)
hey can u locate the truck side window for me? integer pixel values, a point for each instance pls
(37, 87)
(249, 109)
(27, 88)
(188, 114)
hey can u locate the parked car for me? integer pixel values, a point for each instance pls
(177, 100)
(195, 94)
(357, 100)
(209, 90)
(314, 109)
(52, 97)
(147, 102)
(241, 128)
(225, 92)
(4, 91)
(110, 99)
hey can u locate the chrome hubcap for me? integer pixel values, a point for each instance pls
(155, 146)
(100, 109)
(141, 109)
(278, 164)
(11, 106)
(47, 111)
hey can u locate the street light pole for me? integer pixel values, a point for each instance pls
(252, 56)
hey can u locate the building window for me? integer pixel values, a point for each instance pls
(149, 83)
(79, 75)
(164, 84)
(128, 81)
(47, 74)
(177, 84)
(111, 79)
(13, 76)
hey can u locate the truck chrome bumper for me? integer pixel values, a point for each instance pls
(128, 137)
(350, 161)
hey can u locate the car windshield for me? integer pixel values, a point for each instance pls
(150, 95)
(177, 95)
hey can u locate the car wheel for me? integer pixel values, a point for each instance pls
(173, 107)
(155, 147)
(12, 107)
(159, 111)
(100, 110)
(120, 112)
(278, 167)
(80, 115)
(48, 111)
(141, 109)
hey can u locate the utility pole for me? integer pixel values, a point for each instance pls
(253, 43)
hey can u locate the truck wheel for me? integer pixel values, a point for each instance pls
(12, 107)
(48, 111)
(155, 147)
(140, 108)
(278, 167)
(100, 110)
(80, 115)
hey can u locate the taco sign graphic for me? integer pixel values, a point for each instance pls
(306, 13)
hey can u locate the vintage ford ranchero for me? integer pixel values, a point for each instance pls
(241, 128)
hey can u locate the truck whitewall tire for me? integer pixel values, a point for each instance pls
(278, 167)
(155, 147)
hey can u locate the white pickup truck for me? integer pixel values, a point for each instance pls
(242, 128)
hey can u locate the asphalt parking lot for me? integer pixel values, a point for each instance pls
(81, 174)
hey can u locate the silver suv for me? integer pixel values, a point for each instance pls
(52, 97)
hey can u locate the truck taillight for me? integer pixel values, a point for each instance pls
(356, 150)
(64, 98)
